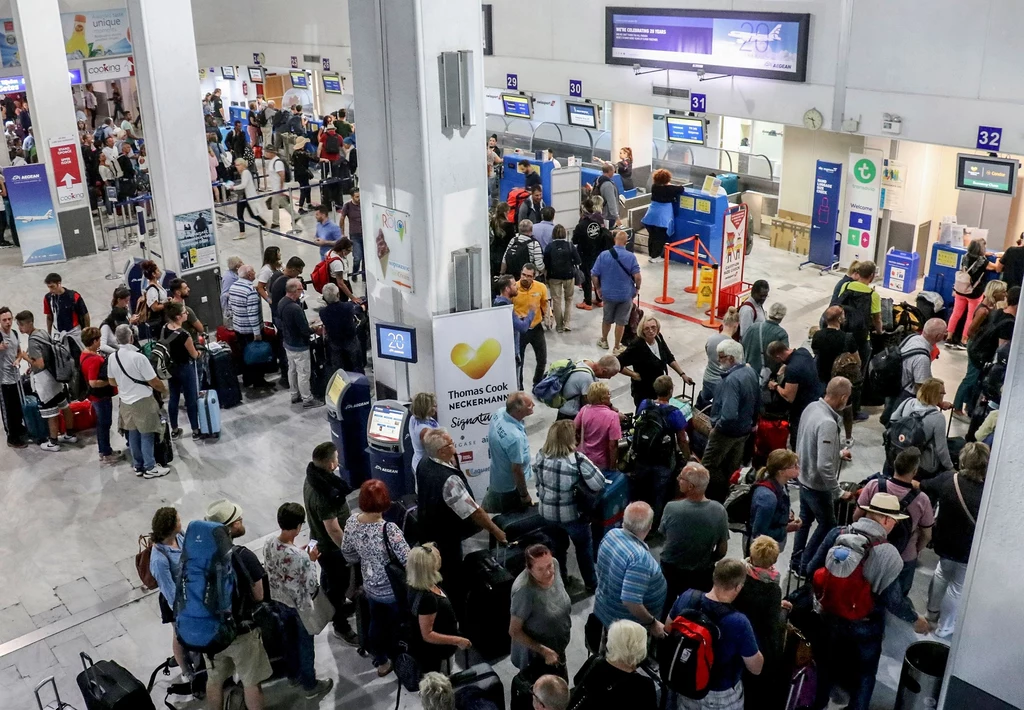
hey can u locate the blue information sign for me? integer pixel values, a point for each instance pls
(396, 342)
(699, 103)
(512, 81)
(327, 63)
(989, 138)
(825, 213)
(256, 58)
(575, 88)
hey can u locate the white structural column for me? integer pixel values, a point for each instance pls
(409, 162)
(633, 128)
(41, 40)
(167, 71)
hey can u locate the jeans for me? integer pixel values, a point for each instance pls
(583, 540)
(722, 457)
(300, 643)
(184, 381)
(967, 392)
(588, 286)
(906, 578)
(944, 594)
(141, 445)
(535, 338)
(104, 410)
(357, 253)
(849, 659)
(814, 506)
(653, 485)
(298, 373)
(13, 224)
(334, 578)
(562, 291)
(707, 393)
(383, 630)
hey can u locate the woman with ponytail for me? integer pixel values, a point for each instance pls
(770, 512)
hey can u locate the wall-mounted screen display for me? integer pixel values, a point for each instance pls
(517, 106)
(299, 80)
(256, 75)
(995, 175)
(76, 76)
(386, 423)
(227, 72)
(396, 342)
(582, 115)
(769, 45)
(681, 129)
(332, 84)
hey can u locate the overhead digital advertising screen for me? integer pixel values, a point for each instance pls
(582, 115)
(983, 174)
(768, 45)
(680, 129)
(516, 106)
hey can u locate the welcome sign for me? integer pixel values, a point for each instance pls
(860, 233)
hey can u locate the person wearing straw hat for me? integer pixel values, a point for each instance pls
(855, 575)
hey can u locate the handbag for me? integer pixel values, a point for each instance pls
(588, 501)
(316, 617)
(395, 571)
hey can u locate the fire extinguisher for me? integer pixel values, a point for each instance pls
(245, 88)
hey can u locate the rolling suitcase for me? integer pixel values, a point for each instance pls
(771, 434)
(478, 682)
(61, 705)
(488, 600)
(34, 423)
(614, 500)
(516, 525)
(224, 379)
(521, 693)
(108, 686)
(209, 414)
(85, 417)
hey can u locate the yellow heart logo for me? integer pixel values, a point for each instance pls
(476, 363)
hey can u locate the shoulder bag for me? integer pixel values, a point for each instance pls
(316, 617)
(960, 496)
(395, 571)
(587, 500)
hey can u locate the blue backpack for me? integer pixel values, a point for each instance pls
(205, 590)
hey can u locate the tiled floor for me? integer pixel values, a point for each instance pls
(68, 527)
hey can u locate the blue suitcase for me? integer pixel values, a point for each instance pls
(614, 500)
(209, 414)
(37, 428)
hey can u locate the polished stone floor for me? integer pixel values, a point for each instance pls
(69, 526)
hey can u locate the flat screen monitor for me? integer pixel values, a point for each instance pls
(768, 45)
(582, 115)
(332, 84)
(396, 342)
(983, 174)
(517, 106)
(335, 389)
(227, 72)
(256, 75)
(682, 129)
(76, 76)
(299, 80)
(386, 423)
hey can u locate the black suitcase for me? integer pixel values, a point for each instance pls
(403, 513)
(488, 601)
(516, 525)
(108, 686)
(319, 372)
(476, 683)
(224, 379)
(521, 693)
(163, 449)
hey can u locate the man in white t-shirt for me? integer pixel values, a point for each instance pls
(275, 182)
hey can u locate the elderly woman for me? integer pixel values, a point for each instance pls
(436, 692)
(770, 513)
(558, 467)
(760, 600)
(339, 320)
(247, 186)
(713, 371)
(660, 219)
(935, 458)
(598, 428)
(371, 542)
(424, 416)
(438, 635)
(541, 617)
(611, 681)
(646, 359)
(959, 499)
(967, 392)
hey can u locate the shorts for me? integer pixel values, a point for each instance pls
(166, 613)
(617, 312)
(245, 655)
(51, 409)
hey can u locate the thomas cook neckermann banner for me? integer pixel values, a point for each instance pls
(34, 218)
(474, 373)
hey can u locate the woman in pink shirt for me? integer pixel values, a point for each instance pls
(598, 428)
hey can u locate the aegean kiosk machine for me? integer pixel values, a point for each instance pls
(348, 409)
(390, 447)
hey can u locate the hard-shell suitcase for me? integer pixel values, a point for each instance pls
(108, 686)
(488, 600)
(224, 379)
(803, 687)
(479, 681)
(516, 525)
(85, 417)
(614, 500)
(34, 423)
(209, 414)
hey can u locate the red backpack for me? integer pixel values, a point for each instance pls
(516, 197)
(842, 592)
(687, 655)
(321, 275)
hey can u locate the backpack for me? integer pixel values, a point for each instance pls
(885, 370)
(66, 355)
(560, 257)
(321, 274)
(847, 365)
(857, 308)
(206, 587)
(549, 389)
(962, 282)
(908, 318)
(142, 562)
(739, 502)
(516, 197)
(518, 257)
(653, 441)
(687, 655)
(332, 143)
(900, 535)
(905, 432)
(840, 587)
(159, 356)
(287, 169)
(261, 118)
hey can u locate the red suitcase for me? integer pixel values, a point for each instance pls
(771, 434)
(85, 417)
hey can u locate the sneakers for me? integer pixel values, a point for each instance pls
(296, 399)
(176, 434)
(566, 328)
(239, 236)
(385, 669)
(113, 458)
(619, 349)
(861, 417)
(67, 439)
(312, 403)
(157, 471)
(275, 226)
(323, 687)
(559, 329)
(196, 434)
(49, 446)
(961, 416)
(584, 306)
(603, 344)
(347, 635)
(848, 443)
(655, 260)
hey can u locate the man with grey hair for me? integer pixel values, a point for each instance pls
(139, 412)
(230, 276)
(509, 450)
(760, 335)
(733, 415)
(436, 692)
(245, 306)
(551, 693)
(295, 337)
(339, 318)
(696, 534)
(916, 352)
(584, 374)
(630, 584)
(522, 250)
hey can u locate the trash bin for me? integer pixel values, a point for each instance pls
(901, 270)
(924, 665)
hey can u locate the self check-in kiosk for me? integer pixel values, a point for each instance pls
(348, 410)
(390, 447)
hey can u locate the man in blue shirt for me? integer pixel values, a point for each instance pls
(616, 276)
(543, 229)
(327, 232)
(736, 648)
(509, 450)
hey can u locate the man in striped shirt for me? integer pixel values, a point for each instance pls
(630, 583)
(247, 321)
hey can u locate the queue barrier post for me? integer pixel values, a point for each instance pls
(712, 321)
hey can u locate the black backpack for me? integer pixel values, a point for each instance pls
(653, 441)
(903, 433)
(561, 260)
(287, 169)
(885, 370)
(518, 257)
(900, 535)
(857, 307)
(332, 143)
(982, 347)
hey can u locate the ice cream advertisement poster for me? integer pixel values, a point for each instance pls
(97, 33)
(389, 255)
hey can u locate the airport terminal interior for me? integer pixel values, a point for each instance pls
(760, 255)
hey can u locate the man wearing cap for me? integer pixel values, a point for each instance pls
(246, 654)
(851, 648)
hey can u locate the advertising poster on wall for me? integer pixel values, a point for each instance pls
(197, 244)
(389, 256)
(29, 192)
(474, 373)
(10, 56)
(862, 194)
(97, 33)
(894, 184)
(67, 169)
(734, 245)
(825, 212)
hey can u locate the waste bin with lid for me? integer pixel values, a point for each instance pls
(924, 665)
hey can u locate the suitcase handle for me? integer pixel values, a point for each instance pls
(90, 675)
(56, 692)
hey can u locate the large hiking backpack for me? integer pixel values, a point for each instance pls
(518, 256)
(66, 354)
(321, 274)
(885, 370)
(840, 587)
(905, 432)
(857, 308)
(687, 655)
(653, 441)
(900, 535)
(516, 197)
(206, 586)
(549, 389)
